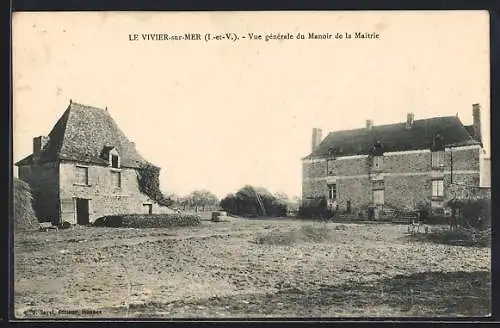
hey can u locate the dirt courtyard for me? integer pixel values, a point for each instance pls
(246, 268)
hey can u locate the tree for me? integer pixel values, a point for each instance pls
(201, 198)
(282, 196)
(252, 202)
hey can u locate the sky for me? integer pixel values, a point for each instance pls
(219, 115)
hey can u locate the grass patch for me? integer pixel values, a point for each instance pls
(306, 233)
(148, 220)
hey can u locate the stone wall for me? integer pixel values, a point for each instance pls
(407, 191)
(104, 197)
(408, 162)
(313, 174)
(407, 177)
(356, 190)
(353, 166)
(44, 182)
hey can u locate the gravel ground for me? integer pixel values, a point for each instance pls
(247, 268)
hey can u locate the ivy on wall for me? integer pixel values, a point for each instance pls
(149, 184)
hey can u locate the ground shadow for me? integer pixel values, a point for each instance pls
(454, 238)
(421, 294)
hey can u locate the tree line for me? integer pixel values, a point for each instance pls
(248, 201)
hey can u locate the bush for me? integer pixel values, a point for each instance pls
(24, 215)
(148, 220)
(314, 209)
(424, 209)
(436, 219)
(473, 213)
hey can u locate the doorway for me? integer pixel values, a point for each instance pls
(82, 211)
(149, 208)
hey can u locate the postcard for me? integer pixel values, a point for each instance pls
(315, 164)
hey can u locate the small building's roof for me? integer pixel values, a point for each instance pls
(396, 137)
(81, 134)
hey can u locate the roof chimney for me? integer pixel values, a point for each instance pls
(369, 124)
(410, 118)
(316, 138)
(39, 144)
(476, 121)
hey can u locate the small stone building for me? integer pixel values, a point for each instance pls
(395, 165)
(84, 169)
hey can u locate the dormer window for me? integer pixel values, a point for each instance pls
(330, 152)
(330, 163)
(378, 149)
(377, 156)
(115, 161)
(111, 155)
(438, 143)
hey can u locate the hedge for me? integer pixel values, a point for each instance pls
(148, 220)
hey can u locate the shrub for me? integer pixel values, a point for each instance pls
(314, 209)
(24, 215)
(148, 220)
(436, 219)
(424, 209)
(475, 213)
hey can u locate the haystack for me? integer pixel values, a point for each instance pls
(24, 215)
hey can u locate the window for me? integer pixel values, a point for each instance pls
(437, 159)
(378, 197)
(82, 175)
(115, 162)
(378, 162)
(116, 179)
(378, 184)
(330, 167)
(332, 192)
(378, 192)
(437, 188)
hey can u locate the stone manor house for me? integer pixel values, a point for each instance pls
(395, 165)
(84, 169)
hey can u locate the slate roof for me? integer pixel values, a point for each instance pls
(396, 137)
(81, 134)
